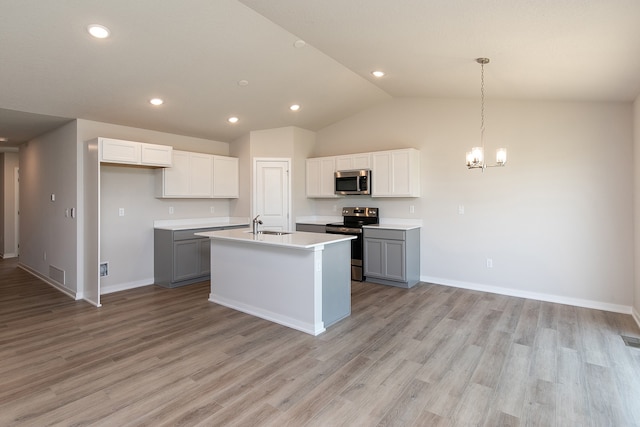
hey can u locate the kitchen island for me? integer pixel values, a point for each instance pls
(300, 280)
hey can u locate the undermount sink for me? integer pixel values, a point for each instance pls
(274, 232)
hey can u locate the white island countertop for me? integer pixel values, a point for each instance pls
(294, 240)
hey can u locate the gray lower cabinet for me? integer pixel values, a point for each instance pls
(181, 257)
(392, 257)
(311, 228)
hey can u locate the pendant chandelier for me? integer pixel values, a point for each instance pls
(475, 157)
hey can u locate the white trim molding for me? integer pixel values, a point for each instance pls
(51, 282)
(577, 302)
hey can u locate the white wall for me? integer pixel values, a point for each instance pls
(556, 221)
(8, 238)
(48, 165)
(127, 242)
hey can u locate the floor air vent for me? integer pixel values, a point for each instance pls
(631, 341)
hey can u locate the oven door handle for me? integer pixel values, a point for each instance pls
(343, 230)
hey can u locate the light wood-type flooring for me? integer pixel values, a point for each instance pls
(429, 356)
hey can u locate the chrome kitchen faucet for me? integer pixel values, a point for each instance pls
(256, 222)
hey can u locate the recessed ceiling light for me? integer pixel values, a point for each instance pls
(98, 31)
(299, 44)
(243, 82)
(294, 107)
(233, 119)
(3, 139)
(156, 101)
(378, 73)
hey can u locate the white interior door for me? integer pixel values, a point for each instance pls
(272, 193)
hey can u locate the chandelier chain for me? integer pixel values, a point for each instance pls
(482, 104)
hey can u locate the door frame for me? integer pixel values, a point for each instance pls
(16, 212)
(254, 195)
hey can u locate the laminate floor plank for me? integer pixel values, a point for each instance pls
(445, 395)
(572, 397)
(426, 356)
(511, 383)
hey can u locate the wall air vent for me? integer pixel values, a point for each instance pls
(57, 274)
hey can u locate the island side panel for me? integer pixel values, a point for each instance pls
(336, 282)
(279, 284)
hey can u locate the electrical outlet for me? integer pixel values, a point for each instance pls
(460, 209)
(335, 208)
(121, 212)
(412, 209)
(212, 209)
(53, 197)
(104, 269)
(170, 210)
(489, 263)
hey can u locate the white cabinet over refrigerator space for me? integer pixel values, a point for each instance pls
(120, 151)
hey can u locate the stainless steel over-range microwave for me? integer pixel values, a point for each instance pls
(353, 182)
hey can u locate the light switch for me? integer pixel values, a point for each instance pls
(460, 209)
(121, 212)
(53, 197)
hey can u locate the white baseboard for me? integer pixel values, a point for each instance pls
(59, 286)
(577, 302)
(125, 286)
(9, 255)
(309, 328)
(636, 316)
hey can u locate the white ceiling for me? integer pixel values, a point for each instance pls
(192, 53)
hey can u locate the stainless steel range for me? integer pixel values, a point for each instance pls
(352, 221)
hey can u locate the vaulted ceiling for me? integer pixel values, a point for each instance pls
(195, 54)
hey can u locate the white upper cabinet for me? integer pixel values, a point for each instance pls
(225, 177)
(133, 153)
(320, 177)
(396, 173)
(199, 176)
(353, 161)
(191, 176)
